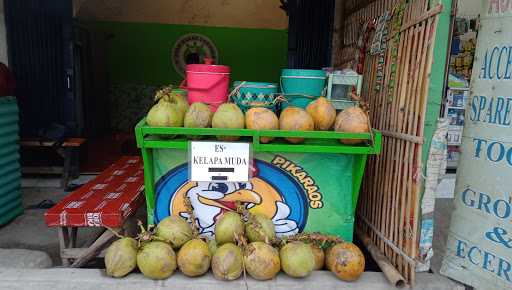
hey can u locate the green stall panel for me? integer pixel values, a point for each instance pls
(308, 187)
(10, 175)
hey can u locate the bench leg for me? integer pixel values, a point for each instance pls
(75, 162)
(66, 171)
(63, 243)
(73, 237)
(93, 250)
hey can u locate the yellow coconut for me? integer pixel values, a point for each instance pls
(346, 261)
(261, 261)
(295, 119)
(319, 256)
(261, 119)
(323, 113)
(352, 120)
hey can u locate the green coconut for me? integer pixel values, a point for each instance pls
(327, 253)
(156, 260)
(319, 256)
(198, 115)
(180, 99)
(212, 245)
(165, 113)
(261, 261)
(297, 259)
(227, 227)
(259, 228)
(174, 230)
(194, 258)
(121, 257)
(227, 263)
(228, 116)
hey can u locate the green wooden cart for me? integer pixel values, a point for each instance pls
(313, 186)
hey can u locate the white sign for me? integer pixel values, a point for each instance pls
(479, 245)
(219, 161)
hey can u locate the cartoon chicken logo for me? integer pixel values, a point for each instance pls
(283, 202)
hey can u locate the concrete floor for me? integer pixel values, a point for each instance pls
(92, 279)
(30, 232)
(442, 217)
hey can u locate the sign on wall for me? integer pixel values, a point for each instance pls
(479, 247)
(192, 48)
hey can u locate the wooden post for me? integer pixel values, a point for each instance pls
(394, 277)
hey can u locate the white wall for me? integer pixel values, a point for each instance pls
(469, 7)
(3, 39)
(224, 13)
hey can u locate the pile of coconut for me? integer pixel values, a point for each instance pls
(172, 110)
(244, 243)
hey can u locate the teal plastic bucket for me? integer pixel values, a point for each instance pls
(301, 86)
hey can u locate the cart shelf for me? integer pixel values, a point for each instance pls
(315, 141)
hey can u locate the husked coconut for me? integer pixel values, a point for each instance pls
(352, 120)
(295, 119)
(323, 113)
(346, 261)
(261, 119)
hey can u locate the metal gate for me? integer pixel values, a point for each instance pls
(39, 38)
(310, 33)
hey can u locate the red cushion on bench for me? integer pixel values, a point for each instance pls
(107, 200)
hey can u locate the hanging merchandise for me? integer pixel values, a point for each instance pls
(362, 44)
(396, 25)
(381, 33)
(436, 167)
(379, 46)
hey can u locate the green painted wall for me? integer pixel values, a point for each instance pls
(140, 53)
(437, 79)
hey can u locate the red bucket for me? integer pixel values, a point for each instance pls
(207, 84)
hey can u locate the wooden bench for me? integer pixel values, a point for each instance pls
(108, 201)
(68, 150)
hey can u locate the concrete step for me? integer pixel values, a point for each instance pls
(94, 279)
(24, 259)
